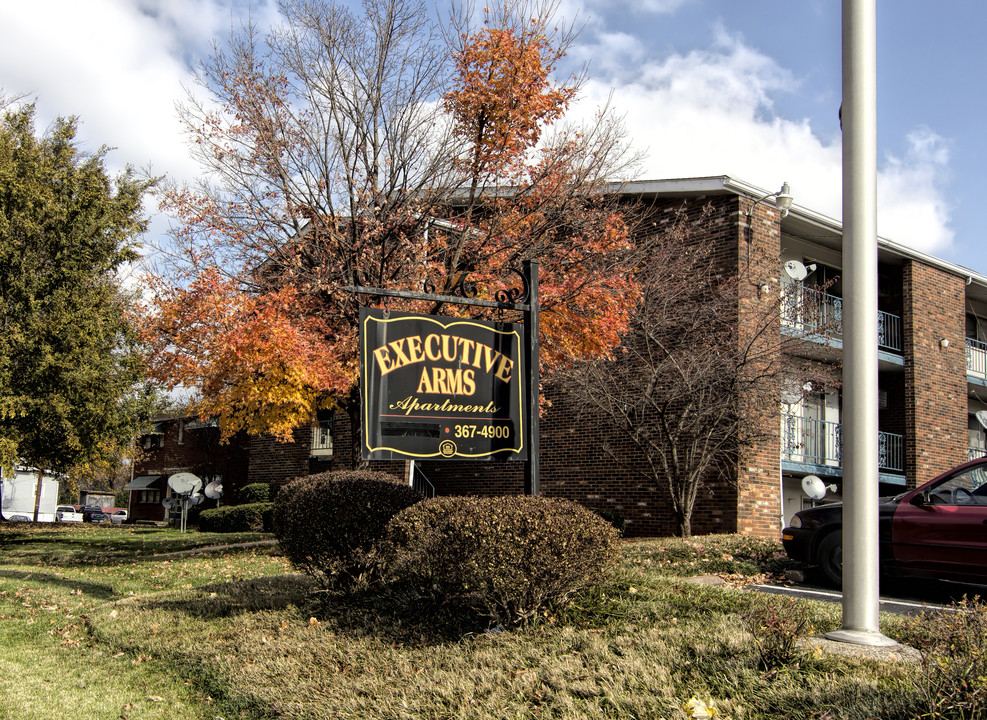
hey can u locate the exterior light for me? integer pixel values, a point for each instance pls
(783, 201)
(944, 343)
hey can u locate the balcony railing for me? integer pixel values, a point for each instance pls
(322, 441)
(976, 358)
(815, 312)
(977, 452)
(819, 442)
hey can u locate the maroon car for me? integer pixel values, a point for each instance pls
(937, 531)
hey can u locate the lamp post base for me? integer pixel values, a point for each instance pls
(861, 637)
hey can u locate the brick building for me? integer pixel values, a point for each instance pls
(932, 377)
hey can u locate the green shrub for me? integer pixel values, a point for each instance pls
(254, 493)
(614, 517)
(252, 517)
(329, 525)
(507, 558)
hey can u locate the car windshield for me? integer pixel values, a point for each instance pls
(964, 487)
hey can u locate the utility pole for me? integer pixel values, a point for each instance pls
(861, 599)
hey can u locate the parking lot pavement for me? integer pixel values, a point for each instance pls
(898, 605)
(912, 598)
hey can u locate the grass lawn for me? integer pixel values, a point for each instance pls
(94, 623)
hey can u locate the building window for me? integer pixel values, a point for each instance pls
(148, 496)
(322, 438)
(153, 442)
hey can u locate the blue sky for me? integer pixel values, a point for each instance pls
(707, 87)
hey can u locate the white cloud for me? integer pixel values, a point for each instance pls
(913, 207)
(118, 64)
(710, 112)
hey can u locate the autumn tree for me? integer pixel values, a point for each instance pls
(696, 381)
(68, 360)
(370, 148)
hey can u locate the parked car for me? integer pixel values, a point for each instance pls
(67, 513)
(119, 517)
(937, 531)
(94, 514)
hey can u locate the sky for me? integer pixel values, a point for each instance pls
(706, 87)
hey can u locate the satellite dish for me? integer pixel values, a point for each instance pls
(795, 270)
(195, 499)
(981, 416)
(168, 503)
(214, 490)
(184, 483)
(790, 392)
(815, 488)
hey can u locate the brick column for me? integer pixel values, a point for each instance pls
(935, 377)
(759, 471)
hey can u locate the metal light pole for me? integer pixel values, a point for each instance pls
(861, 600)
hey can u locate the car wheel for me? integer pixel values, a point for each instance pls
(830, 558)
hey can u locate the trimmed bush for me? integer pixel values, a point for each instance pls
(507, 558)
(252, 517)
(329, 525)
(614, 517)
(254, 493)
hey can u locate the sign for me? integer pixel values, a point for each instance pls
(440, 387)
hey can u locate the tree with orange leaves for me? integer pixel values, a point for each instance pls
(329, 163)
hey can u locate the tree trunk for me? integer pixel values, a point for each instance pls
(37, 495)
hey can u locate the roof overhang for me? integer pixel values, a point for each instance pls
(142, 481)
(801, 222)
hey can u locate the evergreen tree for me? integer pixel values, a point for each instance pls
(67, 354)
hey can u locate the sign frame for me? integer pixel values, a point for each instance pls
(435, 387)
(525, 301)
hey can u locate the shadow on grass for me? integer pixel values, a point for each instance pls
(95, 590)
(392, 613)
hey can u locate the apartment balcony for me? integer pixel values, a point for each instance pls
(321, 441)
(976, 359)
(817, 445)
(819, 316)
(977, 452)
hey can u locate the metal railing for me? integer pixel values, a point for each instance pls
(815, 312)
(420, 482)
(321, 441)
(976, 358)
(976, 452)
(820, 442)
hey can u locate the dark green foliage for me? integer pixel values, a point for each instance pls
(329, 525)
(954, 646)
(68, 358)
(251, 517)
(614, 517)
(508, 558)
(255, 493)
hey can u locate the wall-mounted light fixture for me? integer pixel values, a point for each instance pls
(943, 343)
(783, 201)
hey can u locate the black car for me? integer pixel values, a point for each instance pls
(94, 514)
(936, 531)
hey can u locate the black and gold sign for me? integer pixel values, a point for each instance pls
(440, 387)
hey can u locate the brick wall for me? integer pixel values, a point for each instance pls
(198, 451)
(758, 264)
(574, 464)
(935, 378)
